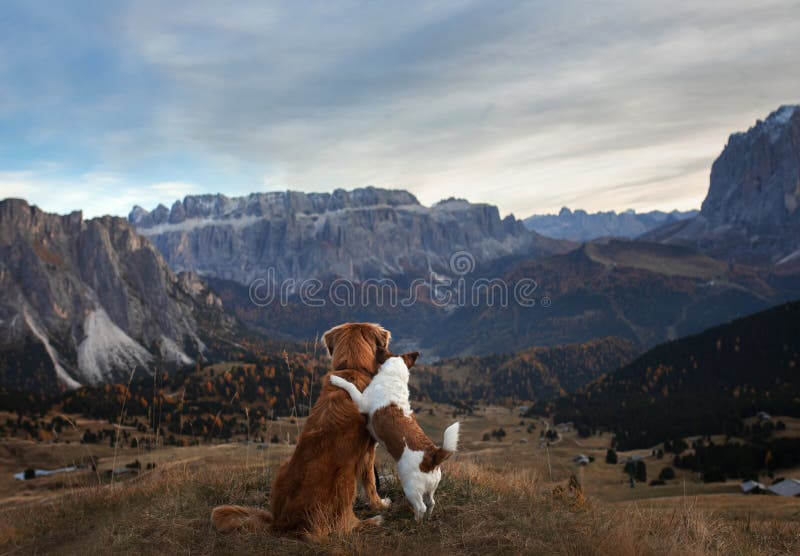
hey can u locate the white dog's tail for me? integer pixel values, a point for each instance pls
(435, 456)
(451, 437)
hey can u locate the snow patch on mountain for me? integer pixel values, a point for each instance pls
(789, 258)
(774, 125)
(784, 114)
(171, 352)
(107, 348)
(778, 120)
(195, 223)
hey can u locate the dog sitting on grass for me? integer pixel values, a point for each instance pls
(391, 421)
(313, 492)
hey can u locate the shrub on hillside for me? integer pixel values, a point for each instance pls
(638, 469)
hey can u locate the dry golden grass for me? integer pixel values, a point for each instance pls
(496, 497)
(479, 511)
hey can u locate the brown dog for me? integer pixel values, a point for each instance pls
(313, 493)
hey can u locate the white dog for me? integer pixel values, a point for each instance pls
(392, 422)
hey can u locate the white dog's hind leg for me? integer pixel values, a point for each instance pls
(419, 506)
(432, 502)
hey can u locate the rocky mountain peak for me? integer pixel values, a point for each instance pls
(95, 299)
(276, 203)
(750, 213)
(17, 216)
(755, 182)
(354, 234)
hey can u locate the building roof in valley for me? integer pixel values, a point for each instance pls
(787, 487)
(749, 486)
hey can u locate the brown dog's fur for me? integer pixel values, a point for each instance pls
(313, 493)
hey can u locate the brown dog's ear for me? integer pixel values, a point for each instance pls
(330, 337)
(410, 358)
(383, 336)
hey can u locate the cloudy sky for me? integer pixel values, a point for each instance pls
(527, 105)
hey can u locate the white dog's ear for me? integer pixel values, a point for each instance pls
(410, 358)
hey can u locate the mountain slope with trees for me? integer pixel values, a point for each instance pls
(703, 384)
(538, 373)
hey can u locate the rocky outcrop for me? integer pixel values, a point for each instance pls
(351, 234)
(96, 298)
(752, 210)
(580, 225)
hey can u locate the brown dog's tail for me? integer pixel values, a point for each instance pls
(231, 518)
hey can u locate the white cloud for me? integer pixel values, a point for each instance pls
(19, 185)
(531, 106)
(94, 193)
(171, 190)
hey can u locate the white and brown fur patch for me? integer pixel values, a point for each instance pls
(391, 421)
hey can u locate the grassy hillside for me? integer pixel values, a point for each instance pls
(506, 495)
(480, 511)
(703, 384)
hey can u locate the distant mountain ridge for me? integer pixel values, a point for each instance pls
(642, 292)
(752, 211)
(579, 225)
(355, 234)
(88, 301)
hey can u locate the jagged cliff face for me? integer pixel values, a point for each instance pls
(351, 234)
(755, 182)
(93, 297)
(752, 210)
